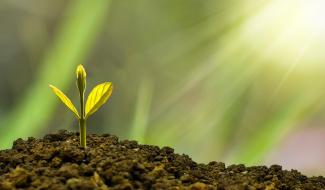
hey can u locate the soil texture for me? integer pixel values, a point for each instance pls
(57, 162)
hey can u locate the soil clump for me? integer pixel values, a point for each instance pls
(57, 162)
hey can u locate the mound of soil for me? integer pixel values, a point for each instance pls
(57, 162)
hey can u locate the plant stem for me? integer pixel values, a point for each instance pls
(83, 130)
(82, 121)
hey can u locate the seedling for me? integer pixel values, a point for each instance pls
(97, 97)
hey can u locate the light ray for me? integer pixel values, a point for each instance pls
(292, 68)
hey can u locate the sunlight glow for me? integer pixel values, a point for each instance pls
(283, 27)
(313, 14)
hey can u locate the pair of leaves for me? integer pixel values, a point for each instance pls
(97, 97)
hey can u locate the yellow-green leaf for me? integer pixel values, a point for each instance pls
(98, 96)
(65, 100)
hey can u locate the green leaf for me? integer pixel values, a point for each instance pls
(98, 96)
(65, 100)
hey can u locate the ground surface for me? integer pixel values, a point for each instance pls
(57, 162)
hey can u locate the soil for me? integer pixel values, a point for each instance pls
(57, 162)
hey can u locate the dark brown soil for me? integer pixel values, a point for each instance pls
(57, 162)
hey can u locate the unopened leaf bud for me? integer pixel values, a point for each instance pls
(81, 78)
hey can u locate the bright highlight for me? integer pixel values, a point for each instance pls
(290, 32)
(313, 14)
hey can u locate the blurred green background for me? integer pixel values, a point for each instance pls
(226, 80)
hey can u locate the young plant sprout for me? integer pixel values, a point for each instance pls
(97, 97)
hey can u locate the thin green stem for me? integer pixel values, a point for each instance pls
(83, 131)
(82, 121)
(82, 105)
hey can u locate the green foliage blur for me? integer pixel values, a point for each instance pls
(210, 78)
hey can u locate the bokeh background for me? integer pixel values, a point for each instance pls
(226, 80)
